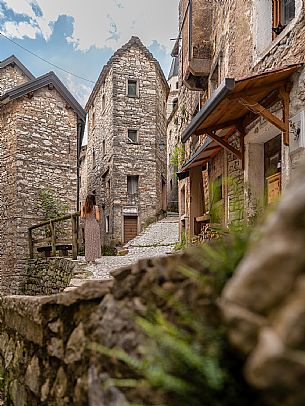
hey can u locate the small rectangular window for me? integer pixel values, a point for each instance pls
(132, 136)
(132, 88)
(103, 102)
(104, 147)
(107, 225)
(132, 184)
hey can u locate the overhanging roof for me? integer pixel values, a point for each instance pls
(223, 108)
(232, 107)
(12, 60)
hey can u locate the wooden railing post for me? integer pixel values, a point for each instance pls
(74, 237)
(31, 245)
(53, 238)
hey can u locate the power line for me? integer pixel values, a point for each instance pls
(44, 60)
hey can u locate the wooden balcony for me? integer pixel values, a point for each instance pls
(194, 42)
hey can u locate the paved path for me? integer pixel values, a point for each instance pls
(157, 240)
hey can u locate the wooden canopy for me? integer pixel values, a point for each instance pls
(233, 106)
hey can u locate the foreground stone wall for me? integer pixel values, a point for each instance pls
(44, 341)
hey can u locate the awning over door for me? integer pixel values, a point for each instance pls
(233, 106)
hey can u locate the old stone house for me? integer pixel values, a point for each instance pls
(243, 62)
(172, 136)
(126, 151)
(41, 127)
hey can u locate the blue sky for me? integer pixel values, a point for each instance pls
(81, 35)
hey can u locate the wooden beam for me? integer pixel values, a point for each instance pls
(284, 95)
(231, 123)
(225, 145)
(252, 105)
(254, 91)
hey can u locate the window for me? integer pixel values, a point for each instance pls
(103, 102)
(104, 147)
(175, 103)
(216, 190)
(132, 184)
(93, 119)
(132, 88)
(107, 228)
(132, 136)
(171, 184)
(283, 11)
(177, 85)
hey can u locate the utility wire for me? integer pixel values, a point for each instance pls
(44, 60)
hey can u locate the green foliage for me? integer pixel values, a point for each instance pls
(50, 205)
(181, 245)
(187, 359)
(178, 155)
(109, 251)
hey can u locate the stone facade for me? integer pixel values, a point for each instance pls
(243, 45)
(39, 138)
(112, 156)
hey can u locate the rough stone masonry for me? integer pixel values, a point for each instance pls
(41, 126)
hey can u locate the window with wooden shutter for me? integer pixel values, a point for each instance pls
(283, 11)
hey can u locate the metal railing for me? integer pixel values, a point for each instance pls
(52, 242)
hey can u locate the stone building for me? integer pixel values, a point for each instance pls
(41, 127)
(126, 151)
(172, 137)
(243, 60)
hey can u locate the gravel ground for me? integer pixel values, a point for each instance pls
(157, 240)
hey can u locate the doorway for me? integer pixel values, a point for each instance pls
(130, 228)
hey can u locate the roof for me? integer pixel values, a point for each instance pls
(226, 111)
(134, 41)
(174, 70)
(223, 107)
(12, 60)
(35, 84)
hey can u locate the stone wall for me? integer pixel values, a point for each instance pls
(44, 341)
(46, 276)
(264, 303)
(38, 151)
(10, 77)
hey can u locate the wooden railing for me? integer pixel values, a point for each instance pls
(52, 243)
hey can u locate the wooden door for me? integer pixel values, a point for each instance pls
(130, 228)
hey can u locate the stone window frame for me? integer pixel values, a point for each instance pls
(129, 141)
(263, 22)
(137, 95)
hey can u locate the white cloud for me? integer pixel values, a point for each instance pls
(20, 30)
(106, 23)
(80, 91)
